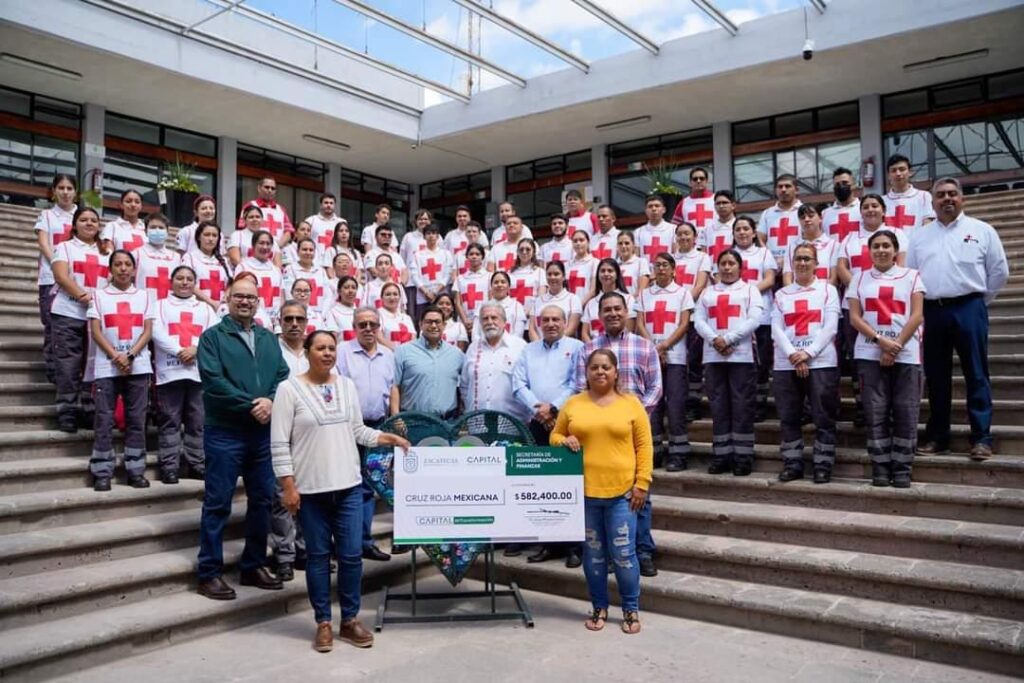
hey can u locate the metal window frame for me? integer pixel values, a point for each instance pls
(712, 11)
(619, 25)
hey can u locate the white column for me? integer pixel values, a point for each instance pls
(599, 173)
(721, 135)
(497, 195)
(414, 200)
(227, 184)
(93, 146)
(871, 137)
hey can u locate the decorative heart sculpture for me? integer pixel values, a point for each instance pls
(479, 428)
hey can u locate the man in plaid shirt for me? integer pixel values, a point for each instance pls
(640, 375)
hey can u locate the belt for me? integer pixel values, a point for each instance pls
(953, 300)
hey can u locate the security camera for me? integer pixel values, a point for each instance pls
(414, 145)
(808, 50)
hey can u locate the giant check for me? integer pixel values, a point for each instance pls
(511, 494)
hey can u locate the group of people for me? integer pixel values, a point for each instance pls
(599, 338)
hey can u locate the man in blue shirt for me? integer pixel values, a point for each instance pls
(542, 380)
(427, 371)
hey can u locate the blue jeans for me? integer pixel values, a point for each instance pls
(644, 541)
(369, 507)
(611, 525)
(230, 453)
(333, 516)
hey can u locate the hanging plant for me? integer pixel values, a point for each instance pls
(660, 178)
(178, 176)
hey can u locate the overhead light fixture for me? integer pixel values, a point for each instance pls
(40, 66)
(326, 141)
(624, 123)
(945, 60)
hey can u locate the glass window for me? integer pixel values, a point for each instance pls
(794, 124)
(431, 190)
(634, 150)
(903, 104)
(1006, 144)
(373, 185)
(190, 142)
(523, 201)
(1006, 85)
(131, 129)
(15, 102)
(914, 145)
(580, 161)
(456, 185)
(57, 112)
(836, 155)
(51, 156)
(551, 166)
(350, 211)
(960, 150)
(751, 131)
(519, 173)
(687, 141)
(628, 194)
(480, 181)
(16, 156)
(546, 201)
(754, 177)
(958, 94)
(838, 116)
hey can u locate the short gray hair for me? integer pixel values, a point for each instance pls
(561, 311)
(296, 303)
(949, 180)
(366, 309)
(493, 304)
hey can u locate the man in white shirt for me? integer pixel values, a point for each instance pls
(843, 217)
(577, 215)
(779, 224)
(486, 382)
(604, 242)
(657, 235)
(906, 207)
(507, 210)
(322, 224)
(963, 266)
(558, 248)
(275, 217)
(381, 218)
(698, 206)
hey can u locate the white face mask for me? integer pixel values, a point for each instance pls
(157, 236)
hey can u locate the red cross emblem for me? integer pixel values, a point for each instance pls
(576, 281)
(134, 243)
(326, 238)
(802, 317)
(316, 290)
(863, 259)
(59, 237)
(684, 278)
(901, 219)
(507, 262)
(185, 330)
(124, 320)
(596, 326)
(472, 295)
(268, 292)
(161, 282)
(521, 291)
(271, 223)
(885, 305)
(720, 245)
(749, 274)
(659, 317)
(699, 216)
(627, 280)
(431, 269)
(783, 231)
(603, 251)
(91, 270)
(213, 284)
(402, 335)
(348, 335)
(844, 226)
(654, 248)
(723, 311)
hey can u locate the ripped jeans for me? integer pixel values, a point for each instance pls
(611, 537)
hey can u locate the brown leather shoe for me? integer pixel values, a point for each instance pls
(261, 578)
(352, 631)
(324, 641)
(981, 451)
(216, 589)
(932, 448)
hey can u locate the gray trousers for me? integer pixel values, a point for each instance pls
(134, 392)
(672, 404)
(285, 533)
(46, 294)
(892, 406)
(764, 355)
(70, 339)
(695, 367)
(820, 389)
(180, 404)
(731, 394)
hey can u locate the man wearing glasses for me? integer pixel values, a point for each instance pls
(427, 371)
(699, 206)
(371, 367)
(241, 366)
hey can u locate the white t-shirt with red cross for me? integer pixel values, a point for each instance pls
(782, 226)
(454, 333)
(474, 289)
(397, 328)
(689, 266)
(858, 256)
(502, 256)
(177, 325)
(716, 238)
(415, 241)
(340, 319)
(122, 315)
(211, 276)
(153, 268)
(432, 270)
(556, 250)
(322, 230)
(662, 310)
(697, 210)
(242, 240)
(320, 296)
(579, 276)
(56, 223)
(838, 221)
(373, 293)
(632, 271)
(733, 312)
(806, 319)
(87, 267)
(270, 285)
(603, 244)
(516, 319)
(908, 210)
(500, 235)
(828, 255)
(455, 240)
(586, 221)
(566, 300)
(327, 260)
(652, 240)
(398, 264)
(757, 261)
(591, 313)
(462, 263)
(275, 218)
(885, 304)
(124, 235)
(527, 282)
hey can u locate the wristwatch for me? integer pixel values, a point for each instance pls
(131, 356)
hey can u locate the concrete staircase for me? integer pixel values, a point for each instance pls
(86, 578)
(934, 572)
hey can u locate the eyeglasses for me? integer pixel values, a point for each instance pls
(662, 264)
(699, 179)
(294, 318)
(367, 325)
(251, 298)
(804, 259)
(430, 323)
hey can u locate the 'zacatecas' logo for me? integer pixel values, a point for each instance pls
(410, 462)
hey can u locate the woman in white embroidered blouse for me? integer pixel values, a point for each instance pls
(313, 433)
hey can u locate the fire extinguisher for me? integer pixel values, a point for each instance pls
(867, 172)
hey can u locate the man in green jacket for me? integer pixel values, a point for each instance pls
(241, 365)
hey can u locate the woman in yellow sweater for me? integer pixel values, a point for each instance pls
(615, 434)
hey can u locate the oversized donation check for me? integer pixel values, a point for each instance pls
(488, 494)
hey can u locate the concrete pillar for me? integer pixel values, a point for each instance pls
(332, 181)
(721, 136)
(871, 137)
(93, 146)
(227, 184)
(599, 173)
(498, 184)
(414, 201)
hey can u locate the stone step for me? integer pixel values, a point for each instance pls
(19, 418)
(33, 371)
(999, 471)
(39, 598)
(994, 545)
(1006, 324)
(45, 443)
(24, 330)
(940, 501)
(33, 653)
(25, 308)
(8, 284)
(26, 393)
(37, 475)
(28, 348)
(53, 509)
(49, 550)
(9, 261)
(924, 633)
(934, 584)
(1005, 412)
(19, 317)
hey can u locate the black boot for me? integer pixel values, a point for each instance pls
(822, 474)
(719, 467)
(880, 474)
(742, 467)
(676, 463)
(901, 475)
(792, 472)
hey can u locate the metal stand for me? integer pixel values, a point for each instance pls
(490, 591)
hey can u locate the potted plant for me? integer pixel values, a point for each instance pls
(660, 178)
(177, 190)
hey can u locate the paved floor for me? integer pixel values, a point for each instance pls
(557, 649)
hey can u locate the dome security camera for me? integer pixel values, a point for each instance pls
(808, 50)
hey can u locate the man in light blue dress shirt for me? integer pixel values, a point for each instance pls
(427, 370)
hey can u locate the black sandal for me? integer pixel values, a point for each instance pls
(597, 620)
(629, 620)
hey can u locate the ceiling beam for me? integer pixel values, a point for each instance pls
(709, 8)
(619, 25)
(819, 5)
(525, 33)
(432, 40)
(310, 37)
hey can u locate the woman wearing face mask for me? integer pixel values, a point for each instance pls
(454, 331)
(693, 271)
(341, 243)
(241, 245)
(155, 261)
(52, 228)
(268, 276)
(80, 266)
(810, 232)
(307, 269)
(805, 317)
(178, 322)
(340, 317)
(757, 267)
(515, 314)
(121, 328)
(609, 279)
(471, 286)
(636, 272)
(887, 309)
(204, 210)
(556, 295)
(726, 317)
(212, 272)
(581, 268)
(396, 326)
(127, 232)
